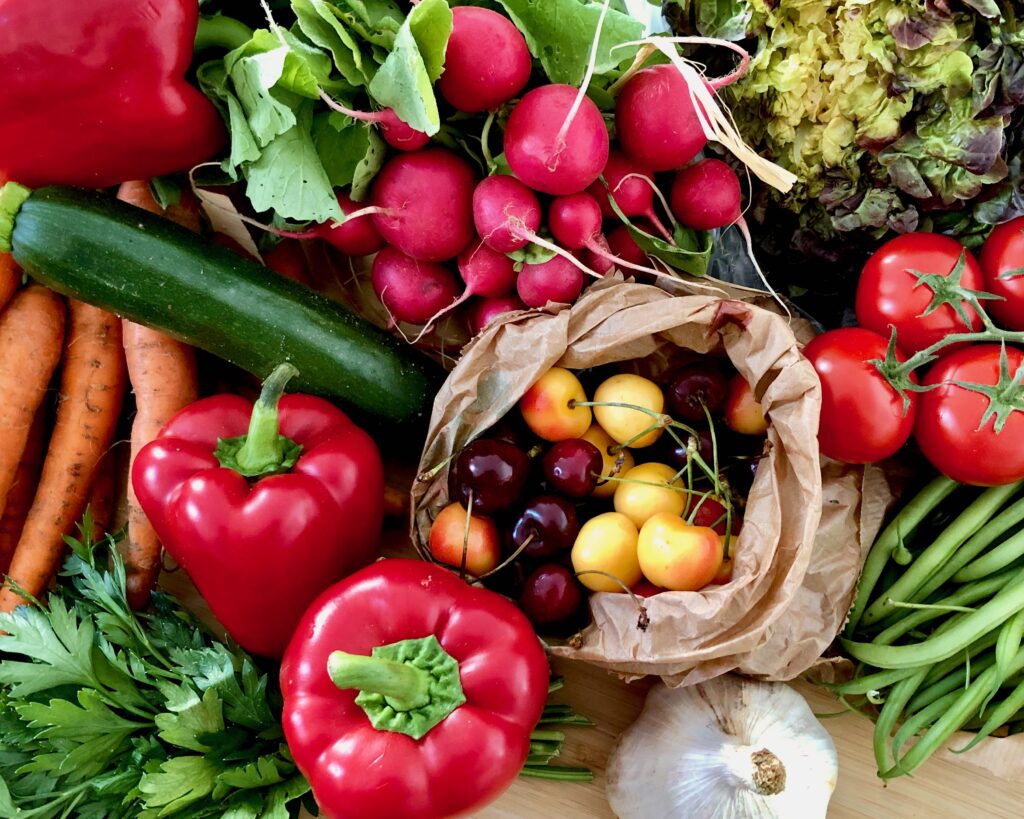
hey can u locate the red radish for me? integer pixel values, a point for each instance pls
(410, 289)
(486, 272)
(655, 119)
(487, 62)
(575, 222)
(353, 237)
(398, 134)
(557, 280)
(503, 207)
(288, 259)
(706, 195)
(622, 244)
(482, 312)
(547, 156)
(633, 193)
(602, 263)
(426, 203)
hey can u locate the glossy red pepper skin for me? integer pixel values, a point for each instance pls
(94, 92)
(260, 553)
(473, 755)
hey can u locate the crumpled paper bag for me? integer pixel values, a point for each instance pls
(795, 567)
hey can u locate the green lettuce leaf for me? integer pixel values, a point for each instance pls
(321, 22)
(289, 177)
(560, 34)
(405, 80)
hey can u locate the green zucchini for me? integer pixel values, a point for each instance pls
(99, 250)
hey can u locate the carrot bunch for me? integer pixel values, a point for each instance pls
(47, 483)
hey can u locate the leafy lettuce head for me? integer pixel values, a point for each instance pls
(875, 103)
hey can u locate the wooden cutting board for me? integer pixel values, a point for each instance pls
(941, 789)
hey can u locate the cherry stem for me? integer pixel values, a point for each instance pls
(465, 537)
(672, 486)
(511, 558)
(644, 620)
(432, 472)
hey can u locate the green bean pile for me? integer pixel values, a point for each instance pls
(938, 621)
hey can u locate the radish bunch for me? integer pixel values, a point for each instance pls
(567, 211)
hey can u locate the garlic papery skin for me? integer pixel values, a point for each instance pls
(728, 748)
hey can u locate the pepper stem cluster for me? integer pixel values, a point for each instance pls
(262, 450)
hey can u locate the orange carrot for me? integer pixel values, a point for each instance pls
(10, 278)
(102, 502)
(91, 391)
(19, 498)
(163, 377)
(137, 192)
(31, 337)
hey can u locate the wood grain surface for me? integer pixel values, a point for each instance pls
(941, 789)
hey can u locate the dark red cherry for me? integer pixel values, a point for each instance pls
(694, 387)
(550, 524)
(550, 594)
(573, 467)
(493, 471)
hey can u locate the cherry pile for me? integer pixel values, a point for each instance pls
(639, 488)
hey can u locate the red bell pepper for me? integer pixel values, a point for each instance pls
(264, 520)
(94, 92)
(409, 693)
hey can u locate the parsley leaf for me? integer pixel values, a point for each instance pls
(105, 712)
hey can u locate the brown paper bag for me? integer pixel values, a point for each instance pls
(789, 592)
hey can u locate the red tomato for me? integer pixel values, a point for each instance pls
(1002, 253)
(862, 417)
(950, 429)
(888, 295)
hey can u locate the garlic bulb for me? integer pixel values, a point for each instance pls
(729, 748)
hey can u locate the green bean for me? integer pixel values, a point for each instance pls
(990, 533)
(996, 611)
(902, 525)
(955, 716)
(971, 593)
(941, 550)
(919, 719)
(992, 561)
(871, 682)
(890, 714)
(1007, 647)
(950, 682)
(940, 670)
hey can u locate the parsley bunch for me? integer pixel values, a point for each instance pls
(105, 712)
